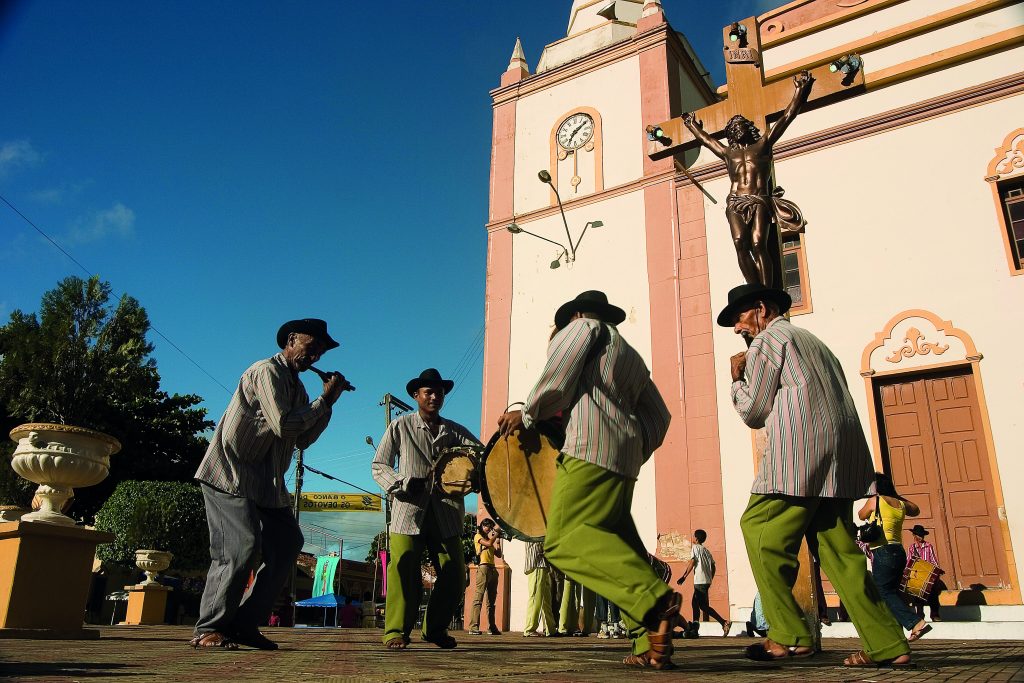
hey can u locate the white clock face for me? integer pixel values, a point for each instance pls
(575, 131)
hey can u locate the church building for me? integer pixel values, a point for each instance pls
(908, 165)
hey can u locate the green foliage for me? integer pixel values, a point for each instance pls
(158, 515)
(85, 362)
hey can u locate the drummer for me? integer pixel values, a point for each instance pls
(422, 516)
(616, 418)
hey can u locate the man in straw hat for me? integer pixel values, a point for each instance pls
(242, 476)
(422, 517)
(816, 463)
(616, 419)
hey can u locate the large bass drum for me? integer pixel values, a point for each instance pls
(519, 478)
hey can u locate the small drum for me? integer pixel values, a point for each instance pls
(456, 471)
(519, 478)
(919, 579)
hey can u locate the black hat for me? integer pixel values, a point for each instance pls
(591, 301)
(743, 295)
(314, 327)
(429, 377)
(919, 530)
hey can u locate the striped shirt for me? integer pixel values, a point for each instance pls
(796, 390)
(704, 564)
(534, 557)
(267, 417)
(617, 418)
(922, 551)
(409, 441)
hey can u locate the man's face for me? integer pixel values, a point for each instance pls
(302, 350)
(750, 322)
(430, 399)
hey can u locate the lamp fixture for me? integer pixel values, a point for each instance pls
(608, 11)
(846, 65)
(656, 133)
(568, 253)
(738, 33)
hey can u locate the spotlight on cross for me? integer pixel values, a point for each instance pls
(846, 65)
(656, 133)
(737, 33)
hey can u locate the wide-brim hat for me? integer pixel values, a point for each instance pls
(429, 378)
(591, 301)
(314, 327)
(742, 296)
(919, 530)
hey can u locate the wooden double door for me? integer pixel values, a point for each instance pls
(934, 448)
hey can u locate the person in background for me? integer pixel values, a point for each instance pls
(538, 605)
(888, 557)
(487, 543)
(702, 564)
(349, 613)
(921, 549)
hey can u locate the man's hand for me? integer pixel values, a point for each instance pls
(510, 422)
(803, 80)
(738, 363)
(333, 387)
(679, 581)
(692, 121)
(415, 486)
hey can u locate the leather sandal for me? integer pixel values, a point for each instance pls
(763, 652)
(397, 643)
(860, 660)
(658, 657)
(918, 632)
(213, 639)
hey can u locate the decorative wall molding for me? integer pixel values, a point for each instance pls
(593, 149)
(1009, 158)
(916, 338)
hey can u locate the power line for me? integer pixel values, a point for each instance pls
(89, 273)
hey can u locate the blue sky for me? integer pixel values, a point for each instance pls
(237, 164)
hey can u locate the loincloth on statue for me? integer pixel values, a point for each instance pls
(786, 214)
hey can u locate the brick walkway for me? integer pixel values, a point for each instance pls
(158, 653)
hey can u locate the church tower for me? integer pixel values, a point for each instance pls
(573, 129)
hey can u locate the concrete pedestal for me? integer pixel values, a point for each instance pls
(146, 604)
(45, 572)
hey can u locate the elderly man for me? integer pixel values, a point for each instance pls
(422, 517)
(816, 463)
(242, 478)
(616, 419)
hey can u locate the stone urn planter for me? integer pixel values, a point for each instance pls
(152, 562)
(60, 458)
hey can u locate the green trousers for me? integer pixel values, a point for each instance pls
(576, 609)
(539, 603)
(773, 529)
(592, 539)
(405, 582)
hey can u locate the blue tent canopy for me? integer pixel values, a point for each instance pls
(328, 600)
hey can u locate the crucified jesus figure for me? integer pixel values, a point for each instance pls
(753, 203)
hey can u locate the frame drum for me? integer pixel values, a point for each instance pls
(519, 478)
(456, 472)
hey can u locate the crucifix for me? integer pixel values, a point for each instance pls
(751, 104)
(756, 211)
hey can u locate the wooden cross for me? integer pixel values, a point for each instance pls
(748, 93)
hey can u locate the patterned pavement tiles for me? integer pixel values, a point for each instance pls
(160, 653)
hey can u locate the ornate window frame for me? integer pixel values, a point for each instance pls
(595, 146)
(1007, 164)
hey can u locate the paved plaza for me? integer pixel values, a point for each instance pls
(159, 653)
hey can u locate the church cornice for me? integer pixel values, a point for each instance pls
(661, 34)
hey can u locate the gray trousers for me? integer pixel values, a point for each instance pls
(240, 533)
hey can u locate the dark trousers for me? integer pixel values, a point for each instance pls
(887, 565)
(240, 533)
(701, 603)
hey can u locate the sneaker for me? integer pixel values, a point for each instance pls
(603, 635)
(475, 632)
(530, 634)
(494, 631)
(554, 634)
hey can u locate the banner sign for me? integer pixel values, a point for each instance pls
(323, 580)
(339, 502)
(383, 555)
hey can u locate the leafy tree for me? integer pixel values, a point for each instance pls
(158, 515)
(85, 362)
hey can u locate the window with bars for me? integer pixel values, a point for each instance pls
(794, 273)
(1011, 193)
